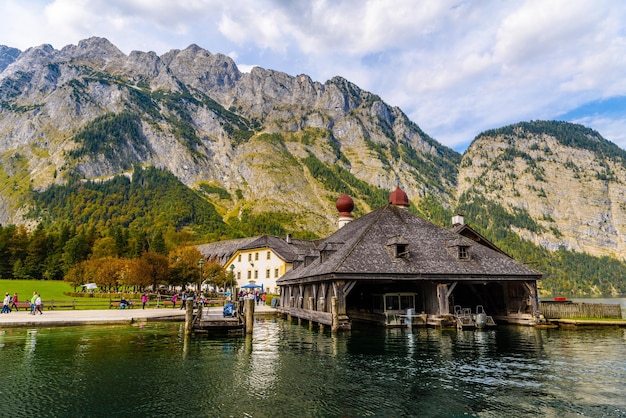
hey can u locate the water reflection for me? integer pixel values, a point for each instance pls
(285, 369)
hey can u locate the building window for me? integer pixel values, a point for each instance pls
(239, 258)
(463, 253)
(256, 256)
(267, 273)
(238, 275)
(256, 274)
(250, 257)
(269, 255)
(276, 272)
(398, 247)
(249, 274)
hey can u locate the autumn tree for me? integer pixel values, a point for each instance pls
(184, 267)
(76, 274)
(137, 273)
(158, 268)
(214, 274)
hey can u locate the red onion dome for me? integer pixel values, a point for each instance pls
(345, 205)
(399, 198)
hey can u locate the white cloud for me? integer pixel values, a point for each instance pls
(456, 67)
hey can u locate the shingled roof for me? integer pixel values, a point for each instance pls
(364, 249)
(287, 249)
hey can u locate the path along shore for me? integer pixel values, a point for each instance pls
(23, 318)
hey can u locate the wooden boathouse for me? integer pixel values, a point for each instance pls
(393, 268)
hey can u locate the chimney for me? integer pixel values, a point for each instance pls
(288, 239)
(458, 220)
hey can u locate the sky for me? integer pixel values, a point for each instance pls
(455, 67)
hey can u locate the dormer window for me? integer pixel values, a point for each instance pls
(459, 249)
(402, 250)
(328, 250)
(398, 247)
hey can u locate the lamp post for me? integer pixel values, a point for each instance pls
(232, 275)
(200, 263)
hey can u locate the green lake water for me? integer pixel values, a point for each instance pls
(289, 370)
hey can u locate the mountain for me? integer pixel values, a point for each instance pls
(7, 56)
(92, 137)
(566, 178)
(274, 142)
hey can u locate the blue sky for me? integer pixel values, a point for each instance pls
(456, 68)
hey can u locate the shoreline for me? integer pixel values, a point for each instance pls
(23, 318)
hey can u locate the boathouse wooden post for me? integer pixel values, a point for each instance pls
(334, 305)
(248, 311)
(532, 290)
(338, 290)
(188, 316)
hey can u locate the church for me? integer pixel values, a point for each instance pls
(392, 268)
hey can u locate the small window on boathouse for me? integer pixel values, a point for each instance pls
(459, 249)
(398, 247)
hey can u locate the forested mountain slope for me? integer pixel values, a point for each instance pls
(272, 141)
(187, 147)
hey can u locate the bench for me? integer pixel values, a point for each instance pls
(116, 304)
(23, 305)
(60, 304)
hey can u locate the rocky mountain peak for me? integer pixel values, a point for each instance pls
(7, 56)
(566, 177)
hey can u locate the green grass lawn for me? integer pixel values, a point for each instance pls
(50, 290)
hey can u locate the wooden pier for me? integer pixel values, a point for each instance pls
(212, 319)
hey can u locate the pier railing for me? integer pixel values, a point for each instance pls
(553, 310)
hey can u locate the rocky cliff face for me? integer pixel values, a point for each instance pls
(197, 115)
(569, 179)
(7, 56)
(279, 143)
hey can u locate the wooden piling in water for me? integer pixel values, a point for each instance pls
(248, 311)
(334, 305)
(188, 316)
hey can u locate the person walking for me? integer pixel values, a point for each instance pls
(38, 305)
(32, 303)
(174, 299)
(144, 299)
(182, 300)
(6, 303)
(14, 302)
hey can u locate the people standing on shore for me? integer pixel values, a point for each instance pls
(6, 303)
(144, 299)
(38, 305)
(14, 302)
(32, 303)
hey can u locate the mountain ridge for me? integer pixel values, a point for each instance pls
(197, 115)
(264, 144)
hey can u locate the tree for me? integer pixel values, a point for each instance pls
(184, 266)
(109, 272)
(137, 273)
(76, 274)
(214, 273)
(158, 268)
(37, 253)
(104, 247)
(76, 249)
(158, 243)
